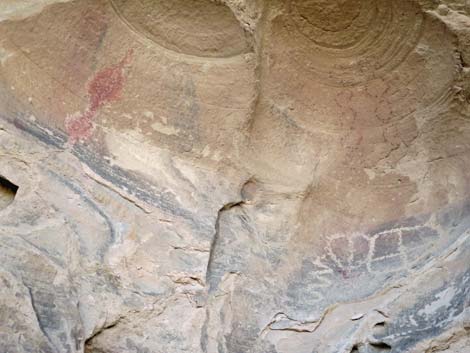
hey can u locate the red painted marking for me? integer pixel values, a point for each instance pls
(79, 126)
(104, 88)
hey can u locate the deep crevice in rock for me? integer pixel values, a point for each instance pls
(355, 349)
(8, 192)
(381, 346)
(215, 239)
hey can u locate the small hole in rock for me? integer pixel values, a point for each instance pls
(379, 329)
(381, 346)
(355, 349)
(7, 192)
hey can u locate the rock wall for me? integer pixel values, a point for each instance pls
(238, 176)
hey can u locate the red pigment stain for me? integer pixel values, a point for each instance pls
(104, 88)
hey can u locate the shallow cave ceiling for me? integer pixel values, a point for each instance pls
(234, 176)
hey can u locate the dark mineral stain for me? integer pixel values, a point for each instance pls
(104, 88)
(411, 325)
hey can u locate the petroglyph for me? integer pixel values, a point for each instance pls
(392, 250)
(105, 87)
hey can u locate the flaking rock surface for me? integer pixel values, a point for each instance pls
(238, 176)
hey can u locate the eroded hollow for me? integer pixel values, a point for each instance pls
(8, 192)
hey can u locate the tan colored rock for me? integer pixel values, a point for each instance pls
(20, 9)
(286, 176)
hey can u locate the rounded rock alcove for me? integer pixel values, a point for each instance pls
(236, 176)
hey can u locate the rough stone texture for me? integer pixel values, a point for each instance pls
(238, 176)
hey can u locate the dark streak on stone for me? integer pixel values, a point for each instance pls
(49, 137)
(131, 182)
(38, 317)
(138, 186)
(402, 334)
(88, 201)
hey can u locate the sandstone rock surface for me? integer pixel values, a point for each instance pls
(237, 176)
